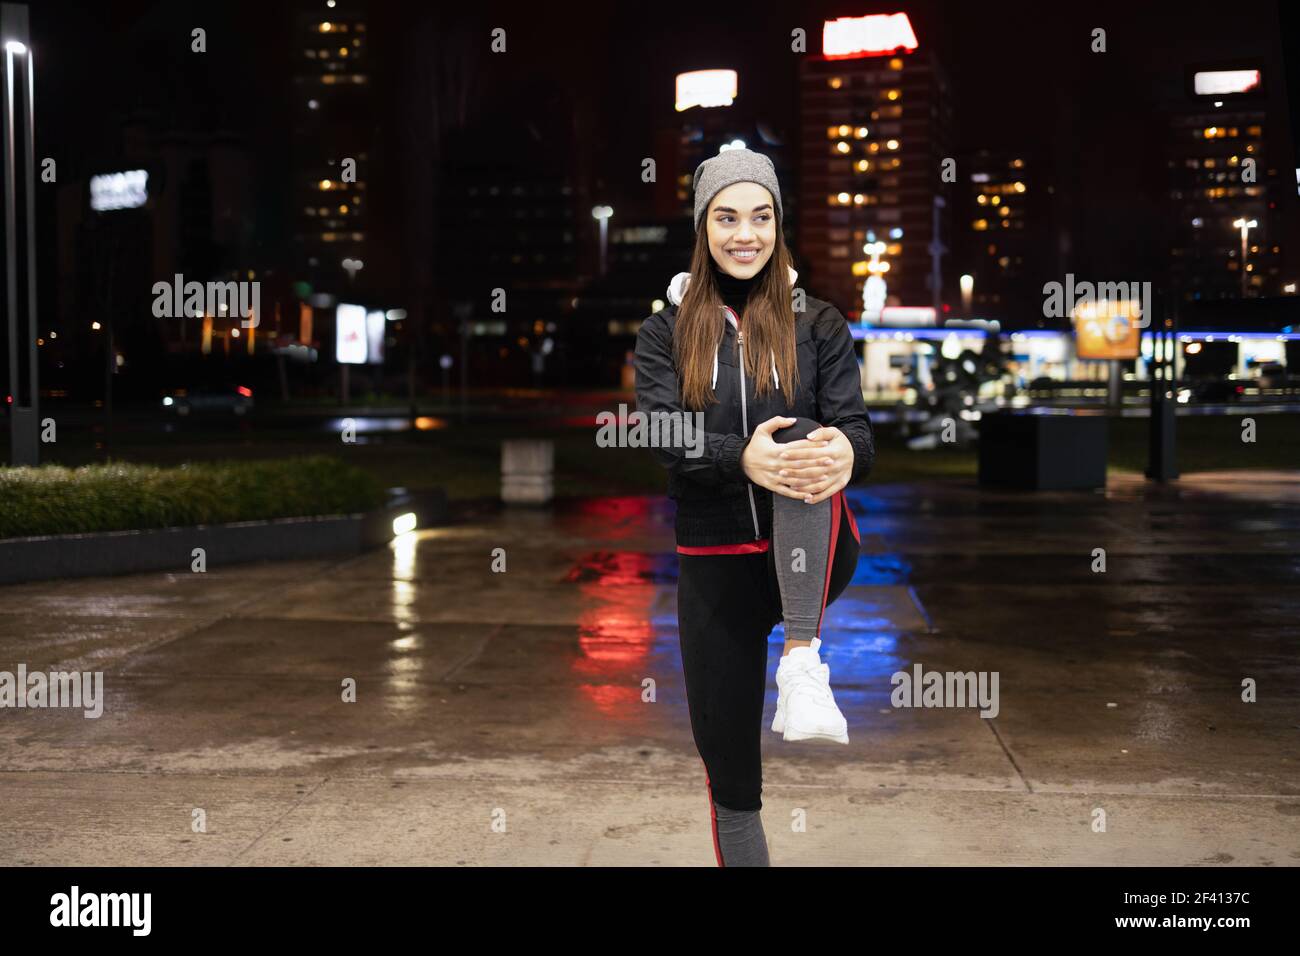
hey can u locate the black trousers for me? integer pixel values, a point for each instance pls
(727, 605)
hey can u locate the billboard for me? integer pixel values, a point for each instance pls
(350, 334)
(1110, 330)
(126, 190)
(705, 88)
(874, 35)
(375, 330)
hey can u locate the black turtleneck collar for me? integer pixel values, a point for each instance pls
(735, 292)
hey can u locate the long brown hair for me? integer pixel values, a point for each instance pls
(768, 323)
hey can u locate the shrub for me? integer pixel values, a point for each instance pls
(51, 499)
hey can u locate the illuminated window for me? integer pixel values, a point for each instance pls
(896, 63)
(979, 225)
(1253, 131)
(863, 165)
(835, 82)
(1019, 187)
(894, 249)
(1004, 211)
(892, 144)
(1017, 164)
(892, 95)
(981, 199)
(842, 147)
(845, 129)
(832, 132)
(873, 147)
(860, 132)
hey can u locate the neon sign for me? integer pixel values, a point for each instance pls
(1222, 82)
(875, 35)
(705, 88)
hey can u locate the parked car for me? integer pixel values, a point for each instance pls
(210, 399)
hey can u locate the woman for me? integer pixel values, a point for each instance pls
(764, 533)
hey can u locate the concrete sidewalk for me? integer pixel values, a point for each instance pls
(516, 698)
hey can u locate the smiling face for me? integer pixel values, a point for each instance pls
(741, 225)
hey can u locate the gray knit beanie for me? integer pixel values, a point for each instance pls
(733, 166)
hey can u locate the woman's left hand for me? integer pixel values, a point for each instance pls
(818, 473)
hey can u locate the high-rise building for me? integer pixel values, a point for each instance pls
(875, 117)
(1227, 186)
(333, 132)
(1005, 232)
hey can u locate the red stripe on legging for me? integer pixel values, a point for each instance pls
(749, 547)
(713, 816)
(853, 522)
(830, 559)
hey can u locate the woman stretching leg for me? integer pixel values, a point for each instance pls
(727, 606)
(768, 379)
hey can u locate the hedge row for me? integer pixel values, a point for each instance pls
(51, 499)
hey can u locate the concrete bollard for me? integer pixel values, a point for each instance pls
(527, 471)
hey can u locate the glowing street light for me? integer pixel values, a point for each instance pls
(967, 283)
(17, 165)
(1245, 225)
(602, 215)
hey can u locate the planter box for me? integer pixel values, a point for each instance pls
(171, 549)
(1043, 452)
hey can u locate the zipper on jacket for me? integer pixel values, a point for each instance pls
(744, 424)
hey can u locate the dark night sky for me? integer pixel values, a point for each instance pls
(1022, 74)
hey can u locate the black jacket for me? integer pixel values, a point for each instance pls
(716, 503)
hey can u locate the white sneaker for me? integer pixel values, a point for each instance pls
(805, 706)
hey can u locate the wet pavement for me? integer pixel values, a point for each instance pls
(537, 715)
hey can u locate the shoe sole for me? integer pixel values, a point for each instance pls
(778, 727)
(792, 734)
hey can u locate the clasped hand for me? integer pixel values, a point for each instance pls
(810, 469)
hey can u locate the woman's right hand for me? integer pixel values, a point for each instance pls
(762, 461)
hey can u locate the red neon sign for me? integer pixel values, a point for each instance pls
(879, 34)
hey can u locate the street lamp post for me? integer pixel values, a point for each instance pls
(1245, 225)
(601, 214)
(967, 287)
(937, 250)
(16, 120)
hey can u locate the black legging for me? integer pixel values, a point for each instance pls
(727, 605)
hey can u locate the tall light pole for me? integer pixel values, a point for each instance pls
(601, 214)
(967, 287)
(16, 122)
(936, 250)
(1245, 225)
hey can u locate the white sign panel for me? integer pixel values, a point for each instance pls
(375, 337)
(127, 190)
(705, 88)
(1222, 82)
(350, 334)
